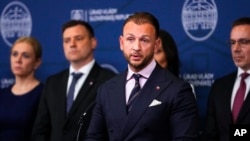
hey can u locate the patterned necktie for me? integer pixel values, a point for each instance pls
(70, 97)
(135, 91)
(239, 97)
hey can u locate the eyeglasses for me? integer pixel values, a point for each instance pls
(241, 42)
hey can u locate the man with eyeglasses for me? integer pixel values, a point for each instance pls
(229, 99)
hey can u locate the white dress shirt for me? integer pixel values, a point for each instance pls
(145, 73)
(237, 85)
(85, 70)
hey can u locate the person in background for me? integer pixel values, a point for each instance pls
(167, 54)
(19, 102)
(229, 99)
(146, 102)
(71, 93)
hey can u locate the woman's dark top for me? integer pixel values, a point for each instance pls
(17, 114)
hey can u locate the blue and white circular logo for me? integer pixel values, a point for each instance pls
(199, 18)
(15, 22)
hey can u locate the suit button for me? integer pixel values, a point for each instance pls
(111, 130)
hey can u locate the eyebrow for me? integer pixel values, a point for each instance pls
(130, 34)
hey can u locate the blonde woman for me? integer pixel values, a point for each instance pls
(18, 103)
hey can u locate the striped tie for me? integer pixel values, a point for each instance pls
(135, 91)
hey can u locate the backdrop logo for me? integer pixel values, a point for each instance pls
(79, 14)
(98, 15)
(15, 22)
(6, 82)
(199, 18)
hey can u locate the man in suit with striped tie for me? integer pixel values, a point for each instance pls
(146, 102)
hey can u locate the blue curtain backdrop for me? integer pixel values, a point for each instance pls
(200, 28)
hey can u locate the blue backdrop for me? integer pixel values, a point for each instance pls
(200, 28)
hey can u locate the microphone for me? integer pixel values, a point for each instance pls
(80, 122)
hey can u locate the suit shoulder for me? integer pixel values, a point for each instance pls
(170, 76)
(101, 74)
(104, 73)
(116, 79)
(226, 78)
(107, 71)
(58, 75)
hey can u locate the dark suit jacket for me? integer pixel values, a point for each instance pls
(219, 115)
(176, 118)
(51, 123)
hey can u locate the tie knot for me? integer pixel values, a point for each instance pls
(244, 75)
(136, 76)
(76, 76)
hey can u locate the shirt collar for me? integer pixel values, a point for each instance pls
(240, 71)
(84, 69)
(146, 72)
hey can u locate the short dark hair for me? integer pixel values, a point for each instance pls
(241, 21)
(72, 23)
(144, 17)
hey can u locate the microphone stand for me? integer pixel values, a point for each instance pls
(80, 122)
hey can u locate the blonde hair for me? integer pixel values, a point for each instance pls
(34, 44)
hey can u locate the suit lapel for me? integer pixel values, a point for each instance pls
(226, 98)
(83, 92)
(60, 94)
(245, 109)
(152, 88)
(225, 94)
(117, 99)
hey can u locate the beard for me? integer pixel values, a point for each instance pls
(138, 65)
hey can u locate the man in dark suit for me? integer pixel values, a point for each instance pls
(221, 102)
(145, 103)
(54, 121)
